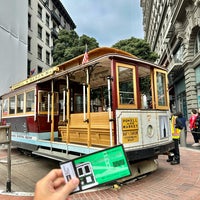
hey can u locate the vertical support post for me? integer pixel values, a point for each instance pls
(68, 103)
(109, 110)
(88, 109)
(84, 104)
(5, 138)
(183, 138)
(8, 184)
(52, 111)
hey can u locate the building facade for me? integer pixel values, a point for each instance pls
(13, 40)
(45, 19)
(172, 28)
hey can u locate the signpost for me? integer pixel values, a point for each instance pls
(5, 138)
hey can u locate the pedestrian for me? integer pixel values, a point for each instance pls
(53, 186)
(192, 127)
(174, 154)
(182, 119)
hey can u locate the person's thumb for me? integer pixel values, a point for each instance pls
(70, 187)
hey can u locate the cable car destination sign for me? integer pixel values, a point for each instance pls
(35, 78)
(130, 129)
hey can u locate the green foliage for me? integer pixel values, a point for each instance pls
(137, 47)
(69, 45)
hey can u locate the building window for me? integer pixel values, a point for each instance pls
(47, 3)
(47, 20)
(47, 39)
(39, 11)
(29, 21)
(178, 55)
(39, 52)
(28, 68)
(47, 58)
(29, 44)
(197, 72)
(39, 69)
(39, 31)
(197, 43)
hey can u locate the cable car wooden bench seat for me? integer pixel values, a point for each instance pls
(78, 129)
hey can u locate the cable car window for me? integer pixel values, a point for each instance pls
(12, 105)
(30, 105)
(20, 103)
(161, 89)
(161, 96)
(5, 107)
(145, 87)
(126, 85)
(43, 101)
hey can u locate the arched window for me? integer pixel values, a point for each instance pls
(197, 43)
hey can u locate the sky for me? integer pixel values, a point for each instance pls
(108, 21)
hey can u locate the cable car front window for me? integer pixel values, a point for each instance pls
(126, 87)
(161, 81)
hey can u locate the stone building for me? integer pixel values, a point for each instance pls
(172, 28)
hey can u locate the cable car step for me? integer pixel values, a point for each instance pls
(59, 156)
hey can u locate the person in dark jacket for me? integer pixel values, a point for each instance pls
(183, 121)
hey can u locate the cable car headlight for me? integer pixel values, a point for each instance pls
(150, 131)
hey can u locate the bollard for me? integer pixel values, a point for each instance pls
(183, 138)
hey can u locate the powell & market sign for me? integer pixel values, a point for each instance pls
(35, 78)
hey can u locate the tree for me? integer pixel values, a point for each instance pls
(69, 45)
(137, 47)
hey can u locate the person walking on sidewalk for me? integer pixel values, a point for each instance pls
(174, 155)
(183, 121)
(192, 127)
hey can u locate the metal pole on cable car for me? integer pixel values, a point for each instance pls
(109, 109)
(52, 111)
(88, 108)
(68, 108)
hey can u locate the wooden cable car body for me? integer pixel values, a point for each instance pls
(74, 109)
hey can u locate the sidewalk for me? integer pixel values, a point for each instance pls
(178, 182)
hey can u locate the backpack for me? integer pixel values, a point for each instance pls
(179, 124)
(197, 123)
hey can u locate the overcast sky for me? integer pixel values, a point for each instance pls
(108, 21)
